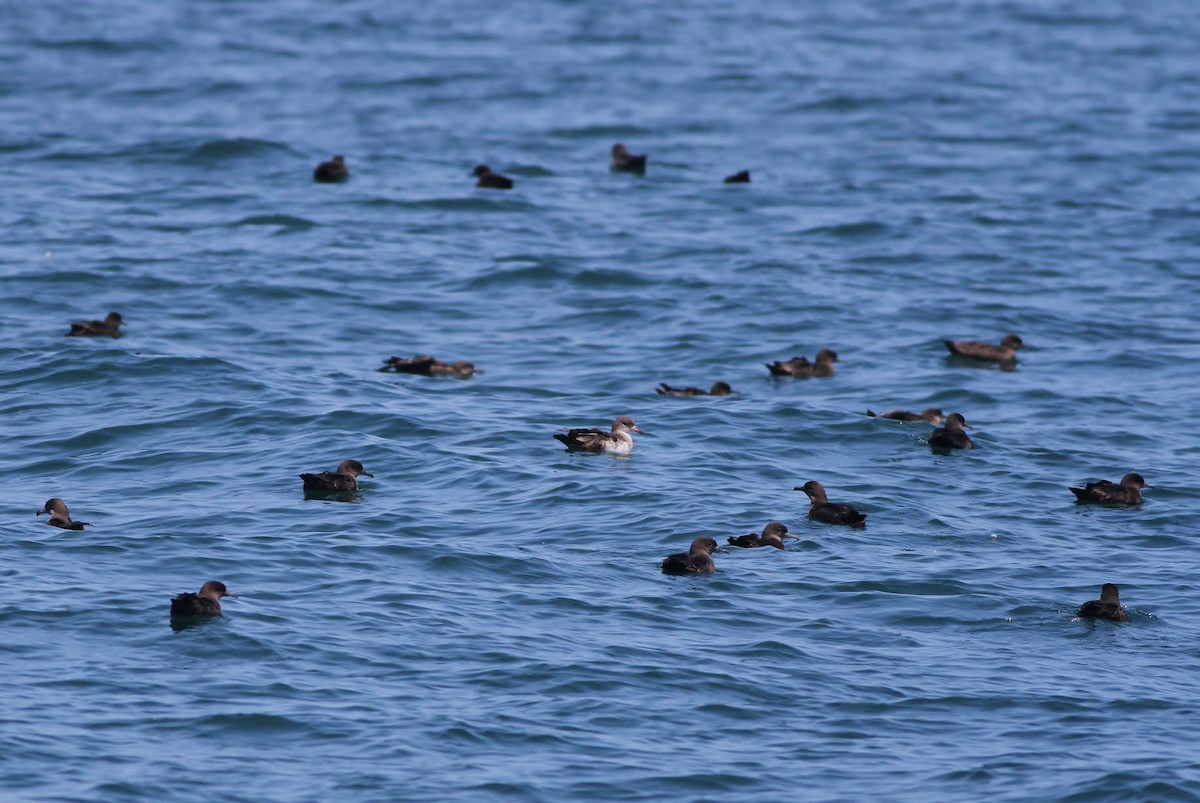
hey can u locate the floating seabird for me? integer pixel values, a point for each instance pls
(951, 436)
(1109, 493)
(718, 389)
(1107, 607)
(697, 560)
(772, 535)
(489, 179)
(60, 516)
(426, 365)
(931, 414)
(800, 367)
(978, 350)
(821, 509)
(206, 603)
(333, 171)
(109, 327)
(344, 479)
(741, 177)
(616, 441)
(625, 162)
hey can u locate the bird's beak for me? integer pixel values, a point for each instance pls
(229, 594)
(720, 549)
(791, 535)
(369, 474)
(798, 488)
(43, 510)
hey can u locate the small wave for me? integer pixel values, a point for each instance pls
(238, 148)
(285, 222)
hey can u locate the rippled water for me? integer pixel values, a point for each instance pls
(487, 620)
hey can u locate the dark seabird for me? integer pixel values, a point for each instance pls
(489, 179)
(109, 327)
(951, 436)
(426, 365)
(625, 162)
(800, 367)
(978, 350)
(344, 479)
(1108, 493)
(742, 177)
(206, 603)
(1107, 607)
(697, 560)
(718, 389)
(333, 171)
(821, 509)
(772, 535)
(931, 414)
(617, 440)
(60, 516)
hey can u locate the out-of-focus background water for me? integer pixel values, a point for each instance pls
(487, 620)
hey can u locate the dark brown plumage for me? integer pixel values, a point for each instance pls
(206, 603)
(931, 414)
(60, 516)
(625, 162)
(617, 440)
(772, 535)
(951, 436)
(1107, 607)
(492, 180)
(109, 327)
(340, 481)
(333, 171)
(1109, 493)
(697, 560)
(741, 177)
(718, 389)
(978, 350)
(821, 509)
(801, 368)
(426, 365)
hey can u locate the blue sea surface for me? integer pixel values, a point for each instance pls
(487, 619)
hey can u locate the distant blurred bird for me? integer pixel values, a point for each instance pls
(1105, 492)
(978, 350)
(60, 516)
(697, 560)
(109, 327)
(1107, 607)
(333, 171)
(489, 179)
(625, 162)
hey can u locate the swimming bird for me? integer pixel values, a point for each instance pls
(718, 389)
(617, 440)
(978, 350)
(697, 560)
(489, 179)
(772, 535)
(1108, 493)
(426, 365)
(333, 171)
(625, 162)
(1107, 607)
(931, 414)
(801, 368)
(60, 516)
(741, 177)
(206, 603)
(821, 509)
(344, 479)
(109, 327)
(951, 436)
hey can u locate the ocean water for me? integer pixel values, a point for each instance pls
(487, 620)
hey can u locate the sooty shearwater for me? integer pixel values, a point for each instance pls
(931, 414)
(489, 179)
(978, 350)
(1109, 493)
(953, 435)
(800, 367)
(1107, 607)
(206, 603)
(718, 389)
(109, 327)
(741, 177)
(697, 560)
(616, 441)
(60, 516)
(772, 535)
(333, 171)
(625, 162)
(426, 365)
(344, 479)
(821, 509)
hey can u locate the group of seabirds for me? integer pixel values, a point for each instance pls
(618, 439)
